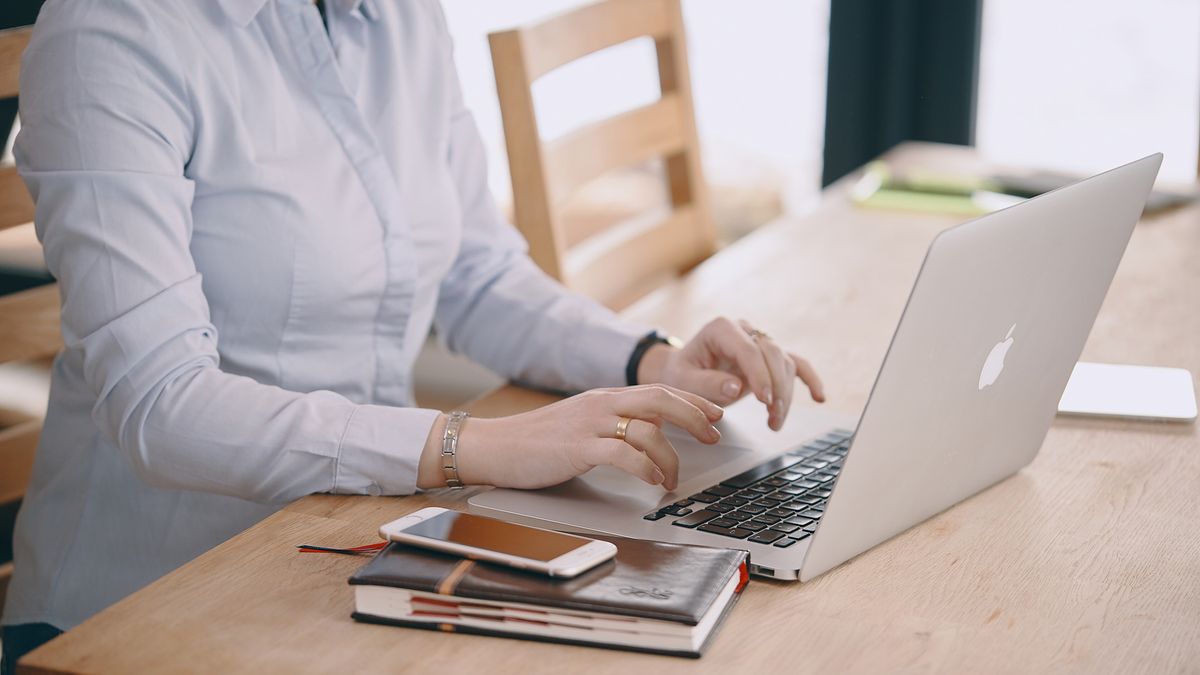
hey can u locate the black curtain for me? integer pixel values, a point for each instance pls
(898, 70)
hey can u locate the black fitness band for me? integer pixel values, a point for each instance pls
(639, 351)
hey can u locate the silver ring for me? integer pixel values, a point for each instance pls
(756, 333)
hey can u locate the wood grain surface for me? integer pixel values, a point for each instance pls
(1086, 561)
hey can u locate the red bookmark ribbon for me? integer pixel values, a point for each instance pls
(356, 550)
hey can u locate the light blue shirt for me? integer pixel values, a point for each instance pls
(254, 224)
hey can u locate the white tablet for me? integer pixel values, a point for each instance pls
(1139, 392)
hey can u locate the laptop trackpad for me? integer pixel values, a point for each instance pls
(604, 487)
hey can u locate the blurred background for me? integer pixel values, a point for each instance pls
(790, 95)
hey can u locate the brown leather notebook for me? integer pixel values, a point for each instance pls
(652, 597)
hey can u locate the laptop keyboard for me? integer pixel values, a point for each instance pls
(778, 502)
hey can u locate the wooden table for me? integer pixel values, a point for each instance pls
(1088, 560)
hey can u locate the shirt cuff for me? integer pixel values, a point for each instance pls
(381, 450)
(611, 344)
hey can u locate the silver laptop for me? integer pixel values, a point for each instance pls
(993, 327)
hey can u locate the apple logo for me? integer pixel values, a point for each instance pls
(994, 363)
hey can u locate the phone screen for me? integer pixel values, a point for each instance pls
(496, 535)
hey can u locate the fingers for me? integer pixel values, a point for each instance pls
(625, 457)
(650, 440)
(735, 343)
(783, 379)
(655, 402)
(717, 386)
(808, 376)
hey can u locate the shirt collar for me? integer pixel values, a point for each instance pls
(244, 11)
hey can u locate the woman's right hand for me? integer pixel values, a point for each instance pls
(555, 443)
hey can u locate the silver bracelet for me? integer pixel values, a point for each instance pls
(450, 446)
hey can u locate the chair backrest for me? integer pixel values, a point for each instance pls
(633, 256)
(29, 322)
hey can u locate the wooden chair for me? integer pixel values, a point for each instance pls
(29, 324)
(631, 257)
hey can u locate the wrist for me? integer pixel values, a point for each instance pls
(429, 467)
(654, 362)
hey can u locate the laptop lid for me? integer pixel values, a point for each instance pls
(997, 319)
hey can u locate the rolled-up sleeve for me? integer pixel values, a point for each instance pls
(107, 128)
(497, 307)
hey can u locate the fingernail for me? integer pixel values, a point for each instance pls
(714, 434)
(731, 388)
(657, 476)
(768, 398)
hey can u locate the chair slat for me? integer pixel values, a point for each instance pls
(29, 326)
(16, 207)
(12, 44)
(630, 138)
(6, 572)
(631, 259)
(575, 34)
(17, 446)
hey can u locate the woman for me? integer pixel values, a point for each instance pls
(256, 209)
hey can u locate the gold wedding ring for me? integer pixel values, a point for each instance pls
(756, 333)
(622, 427)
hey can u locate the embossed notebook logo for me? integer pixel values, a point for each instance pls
(653, 593)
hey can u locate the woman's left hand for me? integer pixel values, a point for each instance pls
(727, 359)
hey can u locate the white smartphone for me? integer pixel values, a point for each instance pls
(481, 538)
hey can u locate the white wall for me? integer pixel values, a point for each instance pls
(1085, 85)
(758, 78)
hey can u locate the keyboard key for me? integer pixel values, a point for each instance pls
(751, 525)
(775, 482)
(766, 520)
(785, 527)
(818, 507)
(807, 499)
(815, 463)
(752, 476)
(653, 516)
(779, 496)
(766, 537)
(684, 502)
(759, 489)
(785, 542)
(735, 501)
(810, 528)
(751, 508)
(806, 483)
(801, 534)
(720, 508)
(789, 476)
(674, 510)
(802, 470)
(795, 506)
(739, 515)
(800, 522)
(844, 433)
(735, 532)
(766, 503)
(823, 494)
(723, 522)
(829, 457)
(779, 513)
(704, 497)
(720, 490)
(811, 514)
(697, 518)
(823, 477)
(794, 490)
(822, 443)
